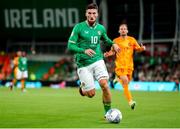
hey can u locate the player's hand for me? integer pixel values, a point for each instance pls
(143, 47)
(116, 48)
(89, 52)
(108, 54)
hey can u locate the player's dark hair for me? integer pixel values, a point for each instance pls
(123, 24)
(92, 6)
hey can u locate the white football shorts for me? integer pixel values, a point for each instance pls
(90, 73)
(21, 74)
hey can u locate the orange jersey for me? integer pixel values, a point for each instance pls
(124, 59)
(15, 61)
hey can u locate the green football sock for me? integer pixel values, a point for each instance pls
(107, 106)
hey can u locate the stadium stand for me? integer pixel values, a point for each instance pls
(154, 23)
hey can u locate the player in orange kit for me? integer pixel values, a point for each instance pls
(124, 65)
(15, 69)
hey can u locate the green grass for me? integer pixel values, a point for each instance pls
(65, 108)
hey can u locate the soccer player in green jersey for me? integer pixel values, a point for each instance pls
(22, 72)
(84, 41)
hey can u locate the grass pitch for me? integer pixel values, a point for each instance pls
(65, 108)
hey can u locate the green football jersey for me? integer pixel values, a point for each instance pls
(22, 63)
(85, 37)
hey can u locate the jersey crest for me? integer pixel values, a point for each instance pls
(86, 32)
(99, 32)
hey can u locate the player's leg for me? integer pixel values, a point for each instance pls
(127, 92)
(102, 76)
(132, 103)
(20, 77)
(23, 80)
(124, 81)
(81, 92)
(13, 83)
(106, 96)
(14, 80)
(115, 80)
(22, 84)
(125, 76)
(87, 87)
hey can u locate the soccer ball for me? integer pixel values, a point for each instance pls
(114, 116)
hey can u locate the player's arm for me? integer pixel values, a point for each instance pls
(139, 48)
(72, 42)
(74, 48)
(15, 61)
(110, 53)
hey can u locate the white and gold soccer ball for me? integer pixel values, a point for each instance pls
(114, 116)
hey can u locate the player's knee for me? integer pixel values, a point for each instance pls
(91, 93)
(125, 81)
(103, 83)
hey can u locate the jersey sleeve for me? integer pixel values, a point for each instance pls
(105, 38)
(136, 45)
(73, 39)
(15, 61)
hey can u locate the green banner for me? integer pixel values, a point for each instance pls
(39, 19)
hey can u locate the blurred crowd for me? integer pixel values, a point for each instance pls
(5, 65)
(157, 70)
(145, 69)
(64, 69)
(152, 69)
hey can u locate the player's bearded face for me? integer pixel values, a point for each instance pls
(91, 15)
